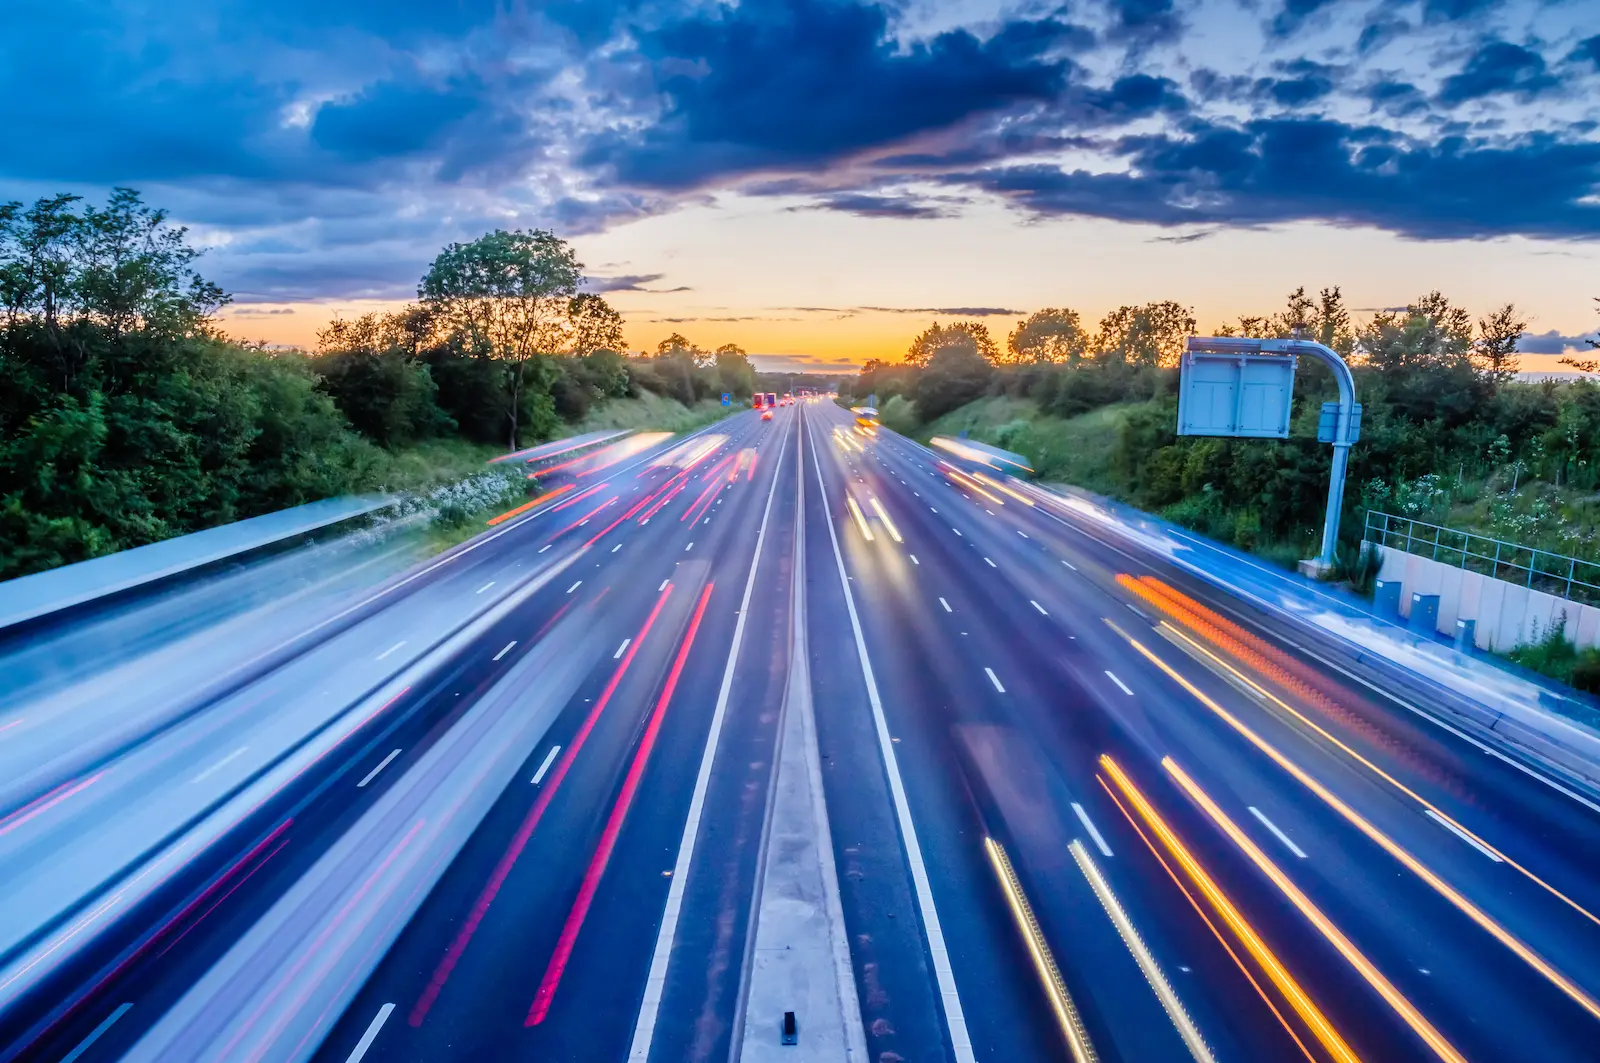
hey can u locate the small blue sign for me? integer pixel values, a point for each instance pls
(727, 399)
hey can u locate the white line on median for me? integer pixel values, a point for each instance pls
(1463, 835)
(1037, 606)
(1119, 683)
(544, 766)
(371, 1035)
(485, 587)
(1276, 833)
(1094, 832)
(946, 606)
(507, 649)
(995, 680)
(391, 649)
(620, 648)
(373, 774)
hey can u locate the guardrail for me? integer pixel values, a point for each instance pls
(1560, 574)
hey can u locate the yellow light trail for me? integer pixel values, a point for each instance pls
(1298, 999)
(1389, 845)
(894, 533)
(997, 485)
(1055, 987)
(972, 484)
(861, 521)
(1364, 967)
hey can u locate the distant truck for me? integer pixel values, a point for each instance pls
(758, 401)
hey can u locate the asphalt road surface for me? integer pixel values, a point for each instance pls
(1081, 805)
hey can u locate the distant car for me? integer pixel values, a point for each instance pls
(766, 414)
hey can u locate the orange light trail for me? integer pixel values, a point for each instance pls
(547, 496)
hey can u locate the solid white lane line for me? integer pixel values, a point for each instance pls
(1094, 832)
(949, 1000)
(575, 586)
(946, 606)
(655, 983)
(371, 1035)
(373, 774)
(95, 1034)
(544, 766)
(485, 587)
(1119, 683)
(505, 651)
(545, 547)
(219, 765)
(663, 585)
(1069, 564)
(995, 680)
(621, 648)
(1037, 606)
(991, 563)
(391, 649)
(914, 560)
(1276, 833)
(1153, 974)
(1463, 835)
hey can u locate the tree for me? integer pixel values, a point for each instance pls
(1586, 365)
(967, 335)
(595, 325)
(734, 371)
(1494, 352)
(1150, 335)
(956, 374)
(1051, 335)
(368, 366)
(507, 296)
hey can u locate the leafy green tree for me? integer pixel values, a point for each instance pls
(734, 372)
(508, 296)
(1494, 352)
(595, 325)
(967, 335)
(1149, 335)
(956, 374)
(387, 394)
(1053, 335)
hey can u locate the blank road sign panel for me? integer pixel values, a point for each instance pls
(1235, 395)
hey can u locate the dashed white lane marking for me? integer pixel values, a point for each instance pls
(1094, 832)
(614, 549)
(931, 509)
(990, 512)
(1276, 833)
(688, 548)
(914, 560)
(218, 766)
(621, 648)
(991, 563)
(507, 649)
(575, 586)
(373, 774)
(995, 680)
(1022, 533)
(958, 532)
(549, 758)
(371, 1035)
(1120, 683)
(663, 585)
(1069, 564)
(485, 587)
(545, 547)
(1037, 606)
(946, 606)
(391, 649)
(1463, 835)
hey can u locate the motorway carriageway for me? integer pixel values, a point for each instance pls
(1082, 807)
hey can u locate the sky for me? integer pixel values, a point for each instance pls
(819, 180)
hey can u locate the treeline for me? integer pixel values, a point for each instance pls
(1442, 410)
(127, 416)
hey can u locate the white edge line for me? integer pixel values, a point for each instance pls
(655, 984)
(938, 952)
(1463, 835)
(1276, 833)
(1094, 832)
(371, 1035)
(373, 774)
(544, 765)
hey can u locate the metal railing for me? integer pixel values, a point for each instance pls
(1559, 574)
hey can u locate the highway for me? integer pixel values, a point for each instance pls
(513, 803)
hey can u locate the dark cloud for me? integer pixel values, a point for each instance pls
(871, 206)
(1296, 83)
(1455, 10)
(1499, 67)
(1293, 13)
(1551, 342)
(1280, 170)
(1397, 98)
(1587, 51)
(947, 311)
(801, 83)
(1185, 238)
(631, 282)
(252, 311)
(1143, 22)
(1379, 29)
(391, 119)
